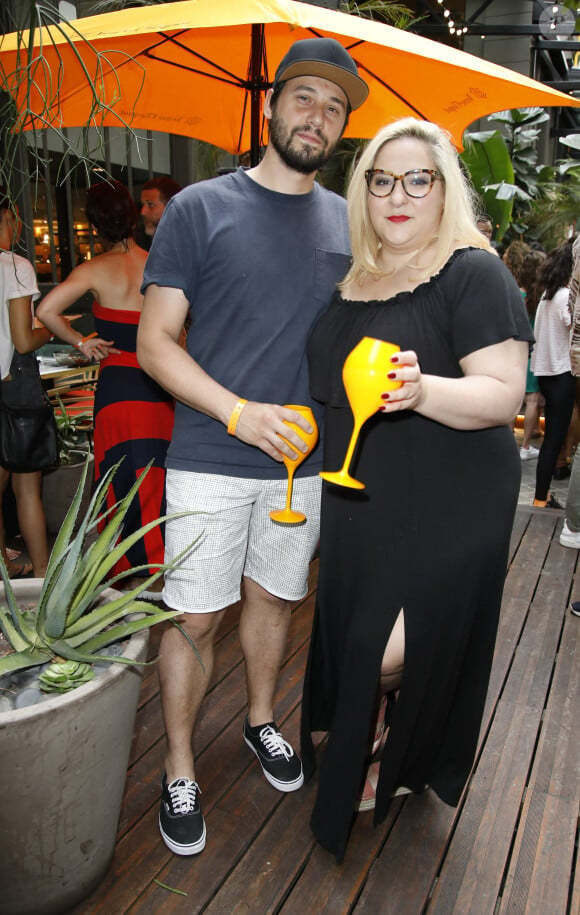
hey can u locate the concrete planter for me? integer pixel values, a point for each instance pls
(63, 765)
(58, 490)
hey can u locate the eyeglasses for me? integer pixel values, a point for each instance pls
(417, 182)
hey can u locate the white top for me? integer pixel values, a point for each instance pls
(17, 278)
(551, 355)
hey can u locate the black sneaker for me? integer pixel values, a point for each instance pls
(180, 818)
(553, 502)
(575, 608)
(280, 764)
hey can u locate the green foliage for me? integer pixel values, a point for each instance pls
(62, 676)
(30, 77)
(556, 210)
(514, 177)
(335, 174)
(71, 434)
(395, 14)
(73, 620)
(487, 159)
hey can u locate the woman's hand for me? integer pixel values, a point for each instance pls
(405, 369)
(487, 394)
(95, 348)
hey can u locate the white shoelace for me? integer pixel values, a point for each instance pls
(182, 792)
(275, 743)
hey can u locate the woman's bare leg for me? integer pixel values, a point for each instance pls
(394, 657)
(391, 675)
(4, 478)
(31, 519)
(531, 419)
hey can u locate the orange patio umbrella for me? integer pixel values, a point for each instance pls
(200, 68)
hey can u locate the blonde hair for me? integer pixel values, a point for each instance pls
(457, 227)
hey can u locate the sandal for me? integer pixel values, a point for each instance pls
(380, 726)
(368, 794)
(23, 571)
(368, 797)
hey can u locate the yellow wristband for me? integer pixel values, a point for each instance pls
(233, 420)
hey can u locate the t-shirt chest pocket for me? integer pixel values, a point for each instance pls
(330, 267)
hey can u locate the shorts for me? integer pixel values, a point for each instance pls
(236, 538)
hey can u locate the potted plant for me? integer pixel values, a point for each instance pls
(64, 760)
(60, 483)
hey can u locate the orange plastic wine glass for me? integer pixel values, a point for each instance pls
(287, 515)
(365, 378)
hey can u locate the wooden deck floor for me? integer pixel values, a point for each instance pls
(510, 847)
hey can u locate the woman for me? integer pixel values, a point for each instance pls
(412, 569)
(514, 256)
(21, 386)
(550, 363)
(528, 282)
(133, 415)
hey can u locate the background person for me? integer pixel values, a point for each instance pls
(513, 257)
(550, 363)
(253, 256)
(409, 593)
(529, 284)
(133, 414)
(570, 535)
(21, 386)
(485, 226)
(155, 195)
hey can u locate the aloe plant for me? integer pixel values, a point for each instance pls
(69, 622)
(71, 434)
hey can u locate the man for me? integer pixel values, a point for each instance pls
(254, 257)
(485, 226)
(155, 195)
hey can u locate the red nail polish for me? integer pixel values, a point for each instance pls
(385, 396)
(394, 358)
(391, 375)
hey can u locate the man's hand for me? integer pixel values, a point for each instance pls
(262, 425)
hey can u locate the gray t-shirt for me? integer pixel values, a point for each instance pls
(257, 268)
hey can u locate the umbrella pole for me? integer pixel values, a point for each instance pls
(257, 83)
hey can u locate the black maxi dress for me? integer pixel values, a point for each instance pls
(429, 535)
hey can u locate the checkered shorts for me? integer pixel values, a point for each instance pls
(236, 537)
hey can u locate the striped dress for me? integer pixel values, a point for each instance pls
(133, 421)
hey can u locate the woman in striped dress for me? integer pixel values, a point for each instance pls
(133, 415)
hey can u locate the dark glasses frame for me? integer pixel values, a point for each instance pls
(432, 172)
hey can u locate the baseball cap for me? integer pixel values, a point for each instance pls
(326, 58)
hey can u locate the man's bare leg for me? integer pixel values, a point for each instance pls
(184, 681)
(263, 630)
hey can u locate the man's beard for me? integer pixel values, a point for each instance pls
(304, 159)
